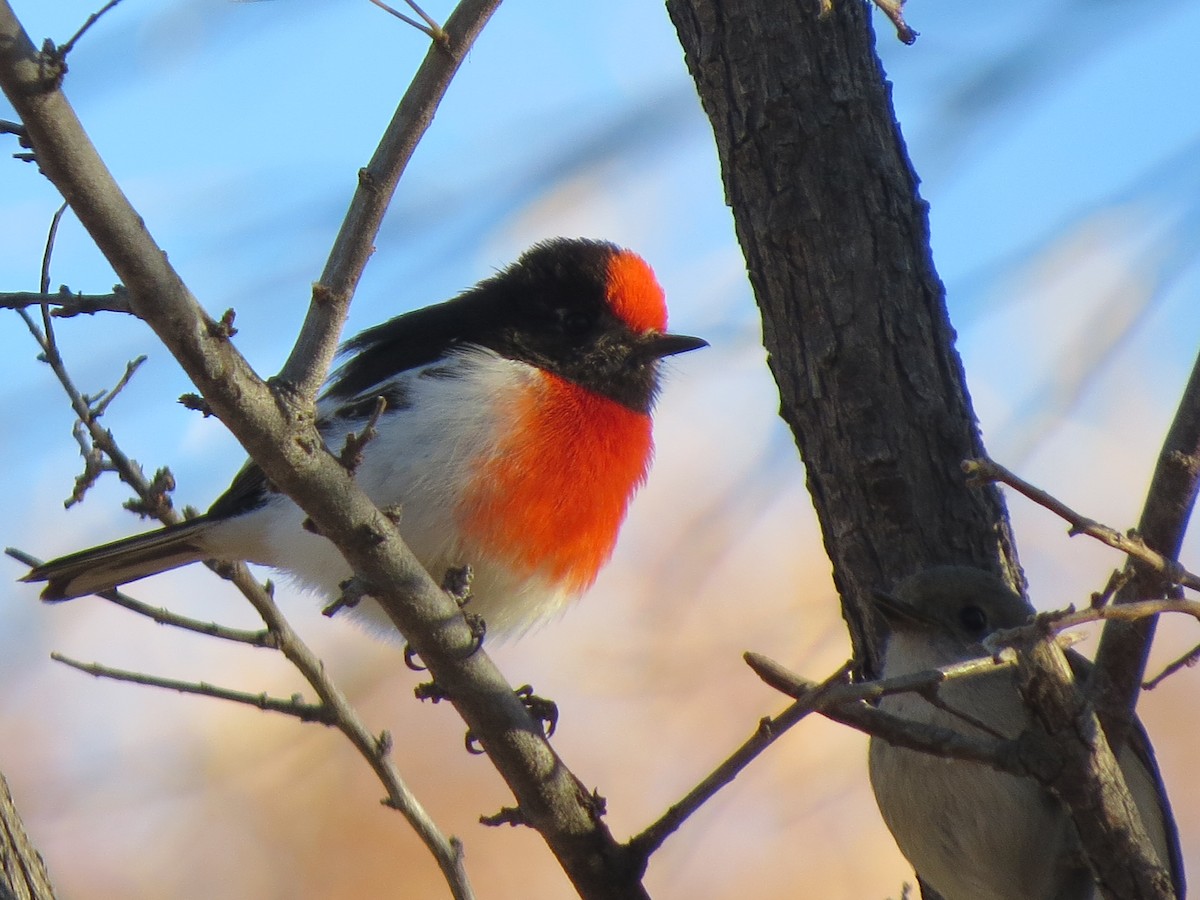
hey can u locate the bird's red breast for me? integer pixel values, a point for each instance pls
(553, 497)
(552, 500)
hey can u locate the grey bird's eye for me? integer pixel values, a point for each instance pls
(973, 620)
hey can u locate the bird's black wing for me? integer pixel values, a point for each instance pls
(413, 339)
(249, 490)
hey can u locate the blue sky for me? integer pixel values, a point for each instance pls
(1057, 143)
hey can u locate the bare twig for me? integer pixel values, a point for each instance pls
(846, 703)
(48, 250)
(313, 352)
(768, 731)
(1186, 661)
(101, 401)
(1124, 649)
(91, 20)
(291, 706)
(986, 470)
(430, 27)
(352, 450)
(67, 303)
(256, 638)
(843, 702)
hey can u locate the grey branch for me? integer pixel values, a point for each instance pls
(291, 706)
(257, 638)
(313, 352)
(987, 470)
(65, 303)
(276, 426)
(842, 702)
(1121, 656)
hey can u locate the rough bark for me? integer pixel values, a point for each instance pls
(836, 240)
(22, 871)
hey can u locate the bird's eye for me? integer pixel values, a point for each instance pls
(576, 323)
(973, 620)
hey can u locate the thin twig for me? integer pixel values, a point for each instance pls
(431, 28)
(769, 730)
(48, 250)
(256, 638)
(91, 20)
(309, 361)
(843, 702)
(987, 470)
(66, 303)
(100, 402)
(1186, 661)
(292, 706)
(447, 851)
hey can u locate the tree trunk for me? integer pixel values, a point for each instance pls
(836, 241)
(22, 872)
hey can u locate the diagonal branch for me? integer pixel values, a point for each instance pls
(256, 638)
(278, 430)
(278, 635)
(291, 706)
(985, 470)
(1125, 647)
(313, 352)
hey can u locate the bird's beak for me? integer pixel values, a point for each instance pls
(895, 611)
(658, 345)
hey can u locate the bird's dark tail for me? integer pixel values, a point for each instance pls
(105, 567)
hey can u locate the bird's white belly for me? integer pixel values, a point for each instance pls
(424, 455)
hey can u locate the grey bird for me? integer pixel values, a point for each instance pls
(970, 832)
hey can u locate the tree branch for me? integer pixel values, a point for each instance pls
(278, 430)
(22, 871)
(257, 638)
(314, 349)
(836, 241)
(66, 302)
(1125, 647)
(768, 731)
(988, 471)
(1087, 779)
(291, 706)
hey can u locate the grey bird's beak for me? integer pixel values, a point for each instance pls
(896, 612)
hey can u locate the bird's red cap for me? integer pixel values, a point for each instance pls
(634, 293)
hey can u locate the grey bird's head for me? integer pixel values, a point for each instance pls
(941, 615)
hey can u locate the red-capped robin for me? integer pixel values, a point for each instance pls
(516, 431)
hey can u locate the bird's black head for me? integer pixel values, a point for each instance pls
(586, 310)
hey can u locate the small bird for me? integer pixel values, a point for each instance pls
(970, 832)
(516, 431)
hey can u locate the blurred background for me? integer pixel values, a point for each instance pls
(1063, 172)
